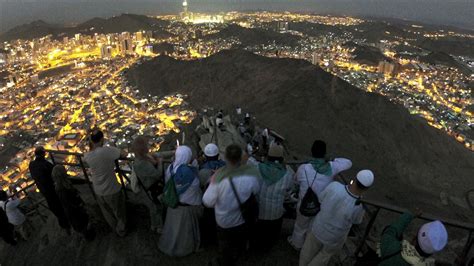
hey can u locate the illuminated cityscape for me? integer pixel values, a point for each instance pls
(56, 88)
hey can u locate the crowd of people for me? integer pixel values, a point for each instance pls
(236, 202)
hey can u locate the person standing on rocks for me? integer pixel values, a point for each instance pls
(210, 164)
(340, 209)
(101, 160)
(230, 188)
(275, 180)
(14, 214)
(7, 230)
(394, 250)
(148, 169)
(208, 168)
(315, 175)
(73, 205)
(41, 170)
(181, 233)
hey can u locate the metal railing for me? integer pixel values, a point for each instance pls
(377, 205)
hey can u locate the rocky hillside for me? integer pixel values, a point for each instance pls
(413, 162)
(124, 22)
(255, 36)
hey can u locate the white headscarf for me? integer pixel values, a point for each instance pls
(183, 155)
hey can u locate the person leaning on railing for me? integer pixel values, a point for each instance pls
(340, 209)
(101, 160)
(40, 170)
(181, 234)
(72, 203)
(316, 175)
(394, 250)
(148, 169)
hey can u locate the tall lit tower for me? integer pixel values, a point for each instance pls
(185, 7)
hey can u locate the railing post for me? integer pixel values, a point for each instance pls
(86, 176)
(122, 180)
(367, 231)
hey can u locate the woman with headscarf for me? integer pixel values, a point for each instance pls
(72, 202)
(181, 235)
(147, 167)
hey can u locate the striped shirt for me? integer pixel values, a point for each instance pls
(271, 196)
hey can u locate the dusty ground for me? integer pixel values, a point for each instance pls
(49, 245)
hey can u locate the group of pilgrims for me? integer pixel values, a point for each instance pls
(234, 201)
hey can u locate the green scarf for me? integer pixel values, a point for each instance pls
(228, 171)
(272, 172)
(321, 166)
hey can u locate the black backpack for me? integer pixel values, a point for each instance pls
(249, 208)
(310, 205)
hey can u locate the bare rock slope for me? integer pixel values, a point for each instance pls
(414, 163)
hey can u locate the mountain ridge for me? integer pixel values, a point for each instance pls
(115, 24)
(303, 102)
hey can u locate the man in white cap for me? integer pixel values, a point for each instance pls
(394, 250)
(210, 164)
(340, 209)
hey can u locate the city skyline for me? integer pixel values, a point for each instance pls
(448, 13)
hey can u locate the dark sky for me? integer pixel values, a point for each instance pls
(445, 12)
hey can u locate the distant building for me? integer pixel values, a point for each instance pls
(282, 26)
(148, 34)
(388, 68)
(34, 79)
(3, 58)
(139, 36)
(106, 51)
(71, 139)
(186, 16)
(315, 59)
(126, 46)
(13, 79)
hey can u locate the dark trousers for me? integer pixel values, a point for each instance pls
(8, 234)
(208, 228)
(232, 243)
(57, 209)
(265, 234)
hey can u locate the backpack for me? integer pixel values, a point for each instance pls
(249, 208)
(170, 195)
(310, 205)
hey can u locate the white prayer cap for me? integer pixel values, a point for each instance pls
(211, 150)
(366, 178)
(432, 237)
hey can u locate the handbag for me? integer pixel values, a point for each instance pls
(170, 195)
(249, 208)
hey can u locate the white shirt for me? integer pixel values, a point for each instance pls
(339, 211)
(322, 181)
(221, 197)
(15, 216)
(102, 164)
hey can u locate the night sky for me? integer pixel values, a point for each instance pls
(445, 12)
